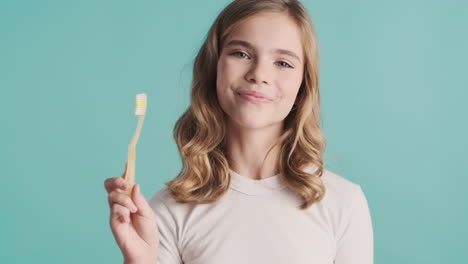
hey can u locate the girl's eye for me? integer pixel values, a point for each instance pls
(239, 52)
(286, 65)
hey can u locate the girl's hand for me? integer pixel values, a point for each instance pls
(133, 222)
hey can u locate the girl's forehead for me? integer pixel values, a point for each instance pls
(275, 32)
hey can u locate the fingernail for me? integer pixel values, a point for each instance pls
(134, 209)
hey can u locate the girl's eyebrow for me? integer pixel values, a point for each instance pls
(246, 44)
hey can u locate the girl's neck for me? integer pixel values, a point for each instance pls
(246, 150)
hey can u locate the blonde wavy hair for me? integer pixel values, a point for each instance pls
(200, 131)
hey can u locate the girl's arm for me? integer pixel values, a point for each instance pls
(355, 243)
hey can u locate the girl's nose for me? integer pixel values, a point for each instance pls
(258, 73)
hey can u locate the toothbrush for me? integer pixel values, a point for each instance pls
(140, 111)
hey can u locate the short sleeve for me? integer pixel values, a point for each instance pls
(355, 241)
(168, 249)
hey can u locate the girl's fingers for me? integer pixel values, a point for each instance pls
(115, 183)
(123, 200)
(120, 214)
(140, 201)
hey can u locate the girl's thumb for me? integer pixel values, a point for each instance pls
(140, 201)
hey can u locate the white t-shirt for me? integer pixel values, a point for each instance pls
(259, 221)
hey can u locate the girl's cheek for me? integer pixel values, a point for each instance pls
(223, 66)
(228, 65)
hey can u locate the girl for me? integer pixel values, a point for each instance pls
(253, 188)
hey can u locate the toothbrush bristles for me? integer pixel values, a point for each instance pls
(140, 108)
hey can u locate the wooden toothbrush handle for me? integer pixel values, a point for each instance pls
(130, 172)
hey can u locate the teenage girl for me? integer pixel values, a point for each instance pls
(253, 188)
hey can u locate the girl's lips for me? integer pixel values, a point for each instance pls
(254, 98)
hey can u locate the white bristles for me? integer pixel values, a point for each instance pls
(140, 108)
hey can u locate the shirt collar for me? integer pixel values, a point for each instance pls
(255, 187)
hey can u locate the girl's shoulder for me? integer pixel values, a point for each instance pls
(340, 192)
(162, 198)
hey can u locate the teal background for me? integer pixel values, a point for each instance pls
(393, 86)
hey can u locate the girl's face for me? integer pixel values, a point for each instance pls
(260, 70)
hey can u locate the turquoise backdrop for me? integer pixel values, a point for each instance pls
(393, 85)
